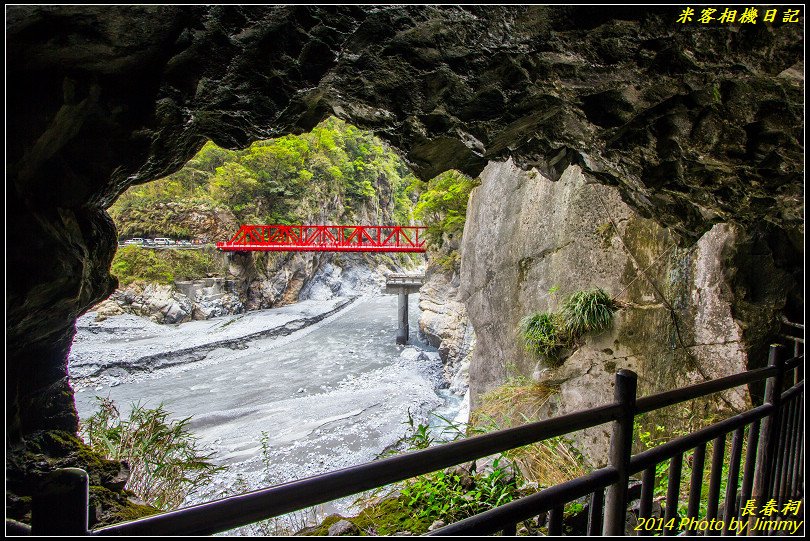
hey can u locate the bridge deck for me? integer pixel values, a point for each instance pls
(403, 283)
(325, 238)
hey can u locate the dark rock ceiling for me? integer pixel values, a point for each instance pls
(693, 125)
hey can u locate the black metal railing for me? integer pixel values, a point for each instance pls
(772, 469)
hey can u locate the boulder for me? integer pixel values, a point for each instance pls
(343, 527)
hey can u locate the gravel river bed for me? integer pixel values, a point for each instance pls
(276, 394)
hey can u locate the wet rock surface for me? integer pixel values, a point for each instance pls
(445, 325)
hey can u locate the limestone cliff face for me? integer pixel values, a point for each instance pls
(276, 278)
(255, 281)
(180, 219)
(444, 324)
(174, 303)
(684, 320)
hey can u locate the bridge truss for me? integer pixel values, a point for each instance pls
(326, 238)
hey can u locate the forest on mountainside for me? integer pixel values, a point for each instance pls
(336, 172)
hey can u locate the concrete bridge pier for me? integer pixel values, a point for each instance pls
(402, 318)
(402, 285)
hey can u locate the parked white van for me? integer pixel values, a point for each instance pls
(162, 241)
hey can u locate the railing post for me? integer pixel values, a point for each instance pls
(769, 433)
(60, 506)
(621, 447)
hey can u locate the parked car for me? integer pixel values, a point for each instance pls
(163, 241)
(136, 240)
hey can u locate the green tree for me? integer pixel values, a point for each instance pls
(335, 173)
(235, 185)
(443, 206)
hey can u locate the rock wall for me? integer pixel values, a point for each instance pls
(255, 282)
(692, 126)
(444, 324)
(202, 222)
(177, 303)
(680, 322)
(272, 279)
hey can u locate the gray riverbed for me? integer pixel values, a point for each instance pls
(325, 396)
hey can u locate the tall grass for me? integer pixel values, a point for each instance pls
(165, 460)
(588, 311)
(548, 333)
(543, 333)
(517, 402)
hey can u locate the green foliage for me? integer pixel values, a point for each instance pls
(449, 496)
(588, 311)
(335, 172)
(147, 218)
(649, 438)
(450, 261)
(442, 206)
(420, 437)
(235, 186)
(164, 458)
(548, 333)
(573, 508)
(453, 494)
(543, 333)
(133, 263)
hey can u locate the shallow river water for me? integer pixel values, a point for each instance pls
(334, 394)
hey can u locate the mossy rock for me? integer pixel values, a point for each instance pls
(387, 517)
(46, 451)
(108, 507)
(323, 527)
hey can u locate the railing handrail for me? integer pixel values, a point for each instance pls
(699, 390)
(496, 519)
(345, 482)
(243, 509)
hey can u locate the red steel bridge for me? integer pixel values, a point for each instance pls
(326, 238)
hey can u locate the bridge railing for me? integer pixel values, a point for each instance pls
(332, 238)
(773, 467)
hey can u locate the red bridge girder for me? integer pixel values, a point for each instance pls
(326, 238)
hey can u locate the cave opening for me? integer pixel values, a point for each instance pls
(276, 367)
(101, 100)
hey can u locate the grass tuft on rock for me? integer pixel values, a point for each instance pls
(543, 333)
(588, 311)
(549, 333)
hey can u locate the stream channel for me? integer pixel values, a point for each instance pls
(272, 394)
